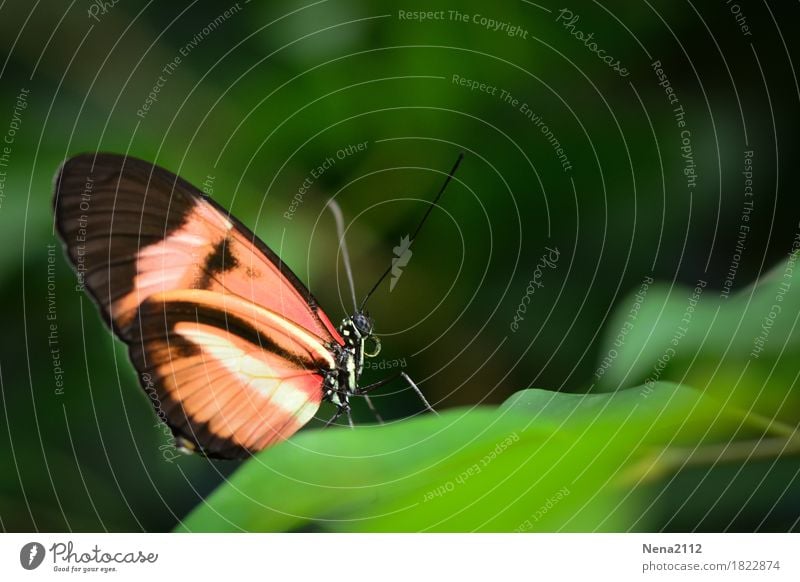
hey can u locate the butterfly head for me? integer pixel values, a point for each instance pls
(358, 331)
(363, 323)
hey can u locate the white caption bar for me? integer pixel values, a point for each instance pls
(387, 557)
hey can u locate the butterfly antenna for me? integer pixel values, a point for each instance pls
(339, 218)
(450, 175)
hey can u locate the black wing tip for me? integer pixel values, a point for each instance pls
(73, 163)
(93, 159)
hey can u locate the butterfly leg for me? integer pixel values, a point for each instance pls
(374, 410)
(416, 389)
(363, 391)
(339, 411)
(335, 417)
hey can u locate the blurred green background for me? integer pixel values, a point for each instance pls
(266, 92)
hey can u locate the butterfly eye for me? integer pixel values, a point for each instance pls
(363, 323)
(376, 347)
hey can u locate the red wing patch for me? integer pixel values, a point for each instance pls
(133, 229)
(233, 341)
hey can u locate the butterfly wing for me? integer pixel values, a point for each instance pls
(172, 272)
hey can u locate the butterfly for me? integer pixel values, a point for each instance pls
(230, 345)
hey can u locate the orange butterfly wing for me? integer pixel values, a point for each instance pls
(232, 341)
(231, 376)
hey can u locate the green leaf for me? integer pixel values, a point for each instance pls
(543, 461)
(742, 348)
(547, 461)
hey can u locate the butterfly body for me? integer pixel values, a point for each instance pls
(343, 382)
